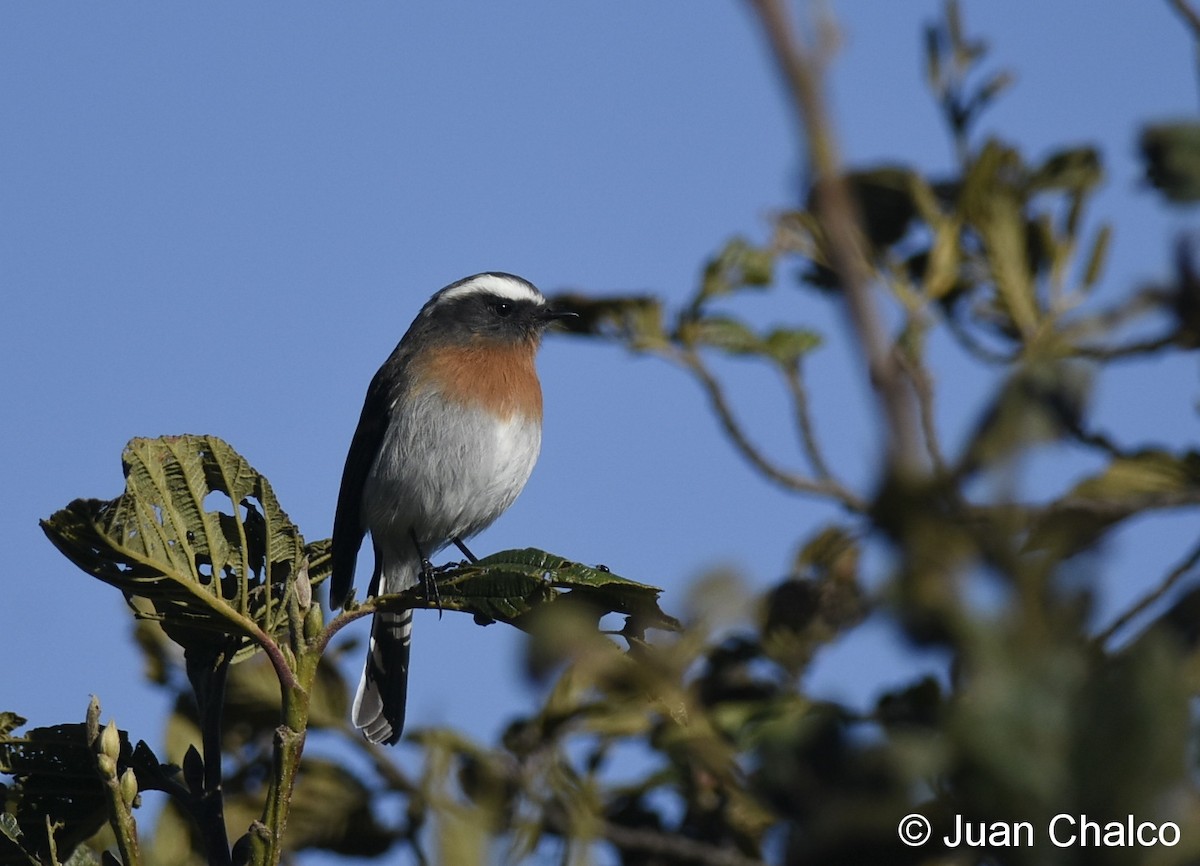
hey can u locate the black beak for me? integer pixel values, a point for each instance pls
(549, 315)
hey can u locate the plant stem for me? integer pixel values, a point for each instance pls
(839, 220)
(266, 835)
(208, 676)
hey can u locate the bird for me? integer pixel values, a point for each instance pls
(449, 433)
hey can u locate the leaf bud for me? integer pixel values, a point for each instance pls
(110, 741)
(314, 621)
(129, 787)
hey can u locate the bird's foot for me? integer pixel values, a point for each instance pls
(429, 585)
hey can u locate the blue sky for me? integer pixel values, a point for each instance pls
(220, 218)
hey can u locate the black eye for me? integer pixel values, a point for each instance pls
(502, 308)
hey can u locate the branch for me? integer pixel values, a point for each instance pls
(841, 226)
(1129, 350)
(673, 847)
(1189, 15)
(1168, 582)
(794, 482)
(794, 376)
(922, 384)
(120, 788)
(208, 676)
(971, 344)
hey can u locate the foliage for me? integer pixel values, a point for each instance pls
(211, 565)
(1041, 712)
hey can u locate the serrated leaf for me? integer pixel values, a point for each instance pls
(198, 533)
(507, 586)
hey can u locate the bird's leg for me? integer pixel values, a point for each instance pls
(428, 581)
(480, 619)
(458, 542)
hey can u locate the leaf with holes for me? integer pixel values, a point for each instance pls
(200, 535)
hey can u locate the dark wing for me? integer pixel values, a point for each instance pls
(348, 526)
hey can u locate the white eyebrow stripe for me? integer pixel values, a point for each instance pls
(501, 285)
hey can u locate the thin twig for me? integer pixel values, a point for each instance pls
(339, 622)
(976, 349)
(1189, 15)
(794, 482)
(922, 384)
(843, 233)
(671, 846)
(1149, 299)
(793, 374)
(1172, 578)
(1136, 349)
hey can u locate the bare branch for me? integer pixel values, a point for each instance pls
(971, 344)
(922, 384)
(1135, 349)
(1189, 15)
(673, 847)
(1165, 585)
(841, 225)
(793, 374)
(794, 482)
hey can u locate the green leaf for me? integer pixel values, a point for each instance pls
(9, 827)
(636, 320)
(1147, 473)
(1171, 153)
(1039, 403)
(1074, 170)
(788, 345)
(199, 534)
(739, 265)
(886, 203)
(993, 201)
(252, 701)
(1093, 269)
(1128, 485)
(509, 585)
(55, 779)
(721, 332)
(9, 722)
(331, 810)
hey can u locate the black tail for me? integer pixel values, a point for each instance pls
(383, 689)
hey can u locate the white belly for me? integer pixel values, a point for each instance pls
(446, 471)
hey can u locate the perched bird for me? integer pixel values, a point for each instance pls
(449, 432)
